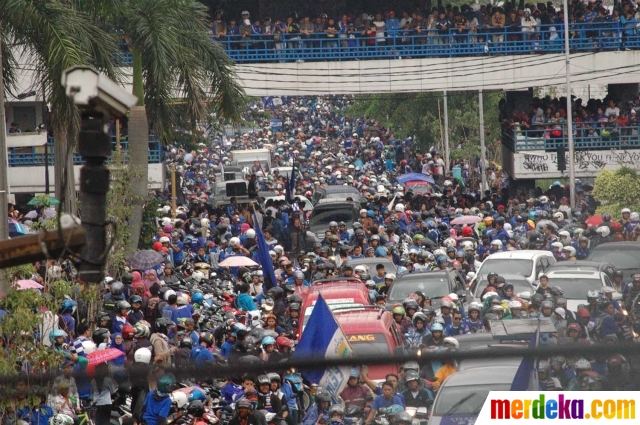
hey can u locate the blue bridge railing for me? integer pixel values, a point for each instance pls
(34, 156)
(586, 136)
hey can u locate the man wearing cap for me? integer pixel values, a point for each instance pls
(355, 393)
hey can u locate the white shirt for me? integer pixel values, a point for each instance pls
(379, 29)
(612, 111)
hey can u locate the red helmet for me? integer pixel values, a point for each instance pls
(616, 227)
(467, 231)
(574, 327)
(403, 162)
(128, 332)
(157, 246)
(583, 312)
(282, 342)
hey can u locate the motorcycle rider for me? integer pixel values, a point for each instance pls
(267, 400)
(418, 335)
(243, 415)
(415, 396)
(318, 410)
(354, 392)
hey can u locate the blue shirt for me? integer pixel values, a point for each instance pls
(379, 402)
(155, 408)
(201, 356)
(245, 302)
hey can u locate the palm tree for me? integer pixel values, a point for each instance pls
(173, 57)
(45, 38)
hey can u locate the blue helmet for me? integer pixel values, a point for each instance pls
(197, 394)
(371, 214)
(197, 298)
(437, 327)
(68, 305)
(56, 333)
(441, 259)
(355, 373)
(381, 251)
(268, 340)
(431, 224)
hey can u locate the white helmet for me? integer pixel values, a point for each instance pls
(399, 208)
(183, 299)
(507, 227)
(634, 216)
(558, 215)
(515, 304)
(543, 200)
(251, 234)
(467, 245)
(142, 355)
(452, 341)
(625, 211)
(169, 293)
(571, 250)
(363, 212)
(603, 231)
(438, 252)
(278, 249)
(234, 242)
(197, 276)
(558, 245)
(488, 294)
(88, 347)
(447, 183)
(391, 276)
(381, 189)
(60, 419)
(180, 399)
(453, 297)
(471, 275)
(497, 243)
(564, 234)
(449, 243)
(360, 268)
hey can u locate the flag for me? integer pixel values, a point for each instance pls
(526, 378)
(263, 255)
(221, 166)
(323, 338)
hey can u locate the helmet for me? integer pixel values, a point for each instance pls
(360, 269)
(582, 364)
(399, 208)
(263, 379)
(394, 410)
(437, 327)
(515, 304)
(243, 402)
(61, 419)
(116, 288)
(570, 250)
(446, 303)
(128, 332)
(183, 299)
(162, 324)
(398, 310)
(411, 375)
(99, 335)
(606, 216)
(543, 200)
(198, 276)
(452, 341)
(207, 338)
(180, 399)
(68, 305)
(603, 231)
(197, 394)
(546, 304)
(123, 305)
(323, 396)
(186, 342)
(268, 340)
(336, 409)
(89, 347)
(410, 303)
(165, 383)
(142, 329)
(135, 299)
(251, 234)
(593, 294)
(196, 409)
(282, 342)
(449, 243)
(298, 274)
(419, 316)
(391, 276)
(497, 243)
(234, 242)
(197, 298)
(56, 333)
(170, 292)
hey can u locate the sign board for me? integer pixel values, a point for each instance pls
(542, 165)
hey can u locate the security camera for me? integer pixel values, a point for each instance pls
(91, 90)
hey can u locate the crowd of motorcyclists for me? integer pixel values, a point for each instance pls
(188, 311)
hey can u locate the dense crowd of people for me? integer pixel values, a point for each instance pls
(187, 309)
(535, 24)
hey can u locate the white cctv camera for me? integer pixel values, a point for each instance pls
(91, 90)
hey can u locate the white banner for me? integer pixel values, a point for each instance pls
(573, 407)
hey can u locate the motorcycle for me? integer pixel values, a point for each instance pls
(354, 415)
(303, 398)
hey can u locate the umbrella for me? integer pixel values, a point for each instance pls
(43, 200)
(238, 261)
(543, 223)
(415, 176)
(27, 284)
(102, 356)
(31, 215)
(594, 220)
(466, 219)
(146, 259)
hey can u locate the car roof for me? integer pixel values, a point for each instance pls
(331, 290)
(469, 364)
(618, 246)
(427, 272)
(368, 261)
(340, 189)
(497, 374)
(579, 263)
(574, 273)
(366, 320)
(527, 254)
(333, 201)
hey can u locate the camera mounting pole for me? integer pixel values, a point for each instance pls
(99, 100)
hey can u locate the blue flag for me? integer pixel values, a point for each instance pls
(263, 255)
(323, 338)
(525, 379)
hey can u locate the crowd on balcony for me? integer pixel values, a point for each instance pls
(594, 121)
(449, 25)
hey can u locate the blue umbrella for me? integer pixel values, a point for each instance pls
(415, 177)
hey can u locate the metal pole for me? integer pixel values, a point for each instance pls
(45, 121)
(446, 134)
(570, 163)
(174, 205)
(4, 163)
(118, 147)
(483, 150)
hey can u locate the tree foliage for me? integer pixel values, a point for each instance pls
(616, 190)
(420, 115)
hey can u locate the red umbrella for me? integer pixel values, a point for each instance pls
(102, 356)
(595, 220)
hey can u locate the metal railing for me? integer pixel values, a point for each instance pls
(31, 157)
(586, 136)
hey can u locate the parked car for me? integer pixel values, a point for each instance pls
(576, 284)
